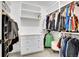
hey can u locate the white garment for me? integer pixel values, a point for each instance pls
(51, 17)
(56, 15)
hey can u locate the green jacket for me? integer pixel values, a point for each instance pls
(49, 38)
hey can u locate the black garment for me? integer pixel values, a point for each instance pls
(58, 23)
(15, 40)
(62, 23)
(10, 47)
(9, 26)
(45, 39)
(52, 25)
(6, 19)
(47, 22)
(75, 42)
(13, 27)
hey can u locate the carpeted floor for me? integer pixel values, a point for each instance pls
(46, 53)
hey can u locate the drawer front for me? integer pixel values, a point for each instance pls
(31, 44)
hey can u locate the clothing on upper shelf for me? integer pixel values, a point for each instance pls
(72, 15)
(76, 22)
(67, 22)
(50, 22)
(62, 23)
(58, 22)
(67, 18)
(69, 47)
(56, 15)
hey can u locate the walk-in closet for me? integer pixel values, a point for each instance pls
(39, 28)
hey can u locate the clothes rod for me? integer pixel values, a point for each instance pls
(70, 33)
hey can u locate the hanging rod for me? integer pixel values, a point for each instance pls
(70, 33)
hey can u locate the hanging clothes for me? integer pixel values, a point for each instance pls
(76, 23)
(48, 39)
(70, 24)
(62, 24)
(58, 23)
(45, 39)
(69, 47)
(65, 45)
(52, 22)
(12, 33)
(59, 43)
(67, 18)
(72, 15)
(76, 13)
(62, 47)
(52, 25)
(47, 21)
(56, 15)
(72, 48)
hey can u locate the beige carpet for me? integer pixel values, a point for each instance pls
(46, 53)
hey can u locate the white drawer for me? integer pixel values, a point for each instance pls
(31, 44)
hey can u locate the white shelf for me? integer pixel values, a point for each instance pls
(29, 21)
(25, 22)
(33, 11)
(30, 30)
(30, 14)
(31, 34)
(30, 6)
(28, 18)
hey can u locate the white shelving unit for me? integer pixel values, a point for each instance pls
(31, 11)
(30, 22)
(31, 35)
(30, 6)
(28, 18)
